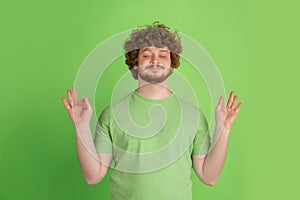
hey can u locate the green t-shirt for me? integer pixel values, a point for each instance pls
(152, 142)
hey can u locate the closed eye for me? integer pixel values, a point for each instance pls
(163, 56)
(147, 55)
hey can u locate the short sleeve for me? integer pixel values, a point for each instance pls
(201, 142)
(102, 139)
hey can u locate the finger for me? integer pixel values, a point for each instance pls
(70, 98)
(87, 102)
(230, 100)
(75, 96)
(238, 107)
(221, 103)
(82, 100)
(234, 102)
(66, 103)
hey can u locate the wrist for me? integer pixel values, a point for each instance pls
(227, 126)
(223, 128)
(226, 131)
(82, 127)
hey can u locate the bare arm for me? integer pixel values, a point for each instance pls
(209, 168)
(89, 160)
(93, 170)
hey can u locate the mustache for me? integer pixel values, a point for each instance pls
(147, 66)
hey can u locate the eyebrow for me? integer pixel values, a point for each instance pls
(161, 50)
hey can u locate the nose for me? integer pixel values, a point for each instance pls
(154, 60)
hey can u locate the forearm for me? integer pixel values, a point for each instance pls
(87, 154)
(214, 161)
(209, 168)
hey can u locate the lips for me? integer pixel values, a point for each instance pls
(155, 69)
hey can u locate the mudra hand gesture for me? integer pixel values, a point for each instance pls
(80, 112)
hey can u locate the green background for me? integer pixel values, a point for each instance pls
(254, 43)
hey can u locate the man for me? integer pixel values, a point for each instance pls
(152, 138)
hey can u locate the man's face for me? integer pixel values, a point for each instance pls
(154, 64)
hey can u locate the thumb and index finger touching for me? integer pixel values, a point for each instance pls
(84, 100)
(73, 99)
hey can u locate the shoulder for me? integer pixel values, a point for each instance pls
(190, 107)
(117, 105)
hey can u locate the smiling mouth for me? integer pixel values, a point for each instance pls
(154, 67)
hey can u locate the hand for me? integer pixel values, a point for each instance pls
(80, 112)
(226, 114)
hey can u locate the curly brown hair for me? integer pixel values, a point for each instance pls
(156, 34)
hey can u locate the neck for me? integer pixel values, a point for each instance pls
(153, 91)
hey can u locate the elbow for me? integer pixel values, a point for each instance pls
(210, 183)
(207, 181)
(92, 181)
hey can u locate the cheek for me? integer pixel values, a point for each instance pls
(139, 61)
(168, 62)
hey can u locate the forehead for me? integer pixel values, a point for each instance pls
(154, 49)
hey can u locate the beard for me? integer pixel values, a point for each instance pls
(154, 73)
